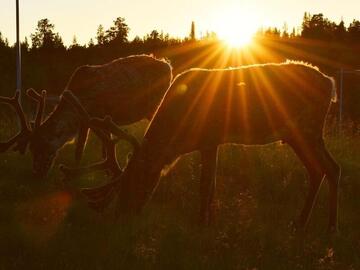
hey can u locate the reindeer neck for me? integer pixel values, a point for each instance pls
(141, 176)
(61, 126)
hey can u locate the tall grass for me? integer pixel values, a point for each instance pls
(260, 190)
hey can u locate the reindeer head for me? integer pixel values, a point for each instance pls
(43, 154)
(28, 133)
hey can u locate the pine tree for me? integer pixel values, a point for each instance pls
(91, 43)
(45, 37)
(2, 41)
(118, 33)
(75, 43)
(285, 33)
(192, 31)
(100, 35)
(354, 31)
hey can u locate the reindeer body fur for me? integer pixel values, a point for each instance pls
(250, 105)
(128, 89)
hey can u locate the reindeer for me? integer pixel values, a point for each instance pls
(128, 89)
(249, 105)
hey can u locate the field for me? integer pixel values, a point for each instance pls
(260, 190)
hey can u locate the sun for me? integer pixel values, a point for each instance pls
(235, 28)
(237, 38)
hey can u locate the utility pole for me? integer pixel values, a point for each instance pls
(18, 51)
(341, 99)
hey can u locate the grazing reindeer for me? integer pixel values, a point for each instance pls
(128, 89)
(250, 105)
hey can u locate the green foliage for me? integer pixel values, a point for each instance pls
(318, 27)
(118, 33)
(3, 41)
(44, 36)
(100, 35)
(354, 31)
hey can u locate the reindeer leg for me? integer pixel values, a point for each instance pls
(333, 174)
(207, 184)
(318, 162)
(315, 175)
(80, 144)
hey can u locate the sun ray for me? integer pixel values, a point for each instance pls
(187, 115)
(221, 62)
(208, 51)
(263, 99)
(282, 110)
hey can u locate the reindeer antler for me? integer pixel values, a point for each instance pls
(104, 129)
(99, 198)
(40, 99)
(95, 123)
(108, 125)
(22, 137)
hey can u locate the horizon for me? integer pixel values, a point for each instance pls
(214, 17)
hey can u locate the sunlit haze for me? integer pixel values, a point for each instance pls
(81, 18)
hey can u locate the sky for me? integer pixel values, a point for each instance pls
(82, 17)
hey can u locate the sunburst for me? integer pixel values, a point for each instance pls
(235, 27)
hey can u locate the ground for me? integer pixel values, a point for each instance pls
(44, 224)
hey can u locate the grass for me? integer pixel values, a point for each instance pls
(260, 190)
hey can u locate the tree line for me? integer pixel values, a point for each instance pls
(48, 64)
(315, 26)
